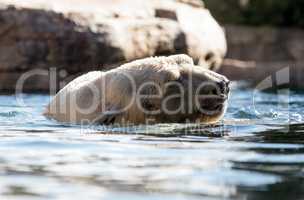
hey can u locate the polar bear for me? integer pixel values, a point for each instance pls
(151, 90)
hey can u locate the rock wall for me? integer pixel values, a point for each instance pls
(265, 44)
(77, 36)
(256, 53)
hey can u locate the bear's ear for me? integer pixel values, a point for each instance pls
(175, 64)
(170, 73)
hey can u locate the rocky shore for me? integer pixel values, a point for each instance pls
(69, 38)
(77, 37)
(258, 53)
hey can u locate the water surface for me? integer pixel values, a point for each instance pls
(256, 152)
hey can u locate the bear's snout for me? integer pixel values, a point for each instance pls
(224, 87)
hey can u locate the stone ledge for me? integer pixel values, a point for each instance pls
(255, 72)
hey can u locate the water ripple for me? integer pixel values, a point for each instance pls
(256, 152)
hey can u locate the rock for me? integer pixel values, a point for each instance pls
(205, 38)
(280, 73)
(255, 53)
(78, 37)
(234, 69)
(265, 44)
(194, 3)
(143, 38)
(34, 38)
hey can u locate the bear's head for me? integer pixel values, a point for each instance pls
(164, 90)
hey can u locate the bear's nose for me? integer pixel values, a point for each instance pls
(224, 86)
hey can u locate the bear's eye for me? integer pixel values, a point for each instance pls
(179, 80)
(147, 105)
